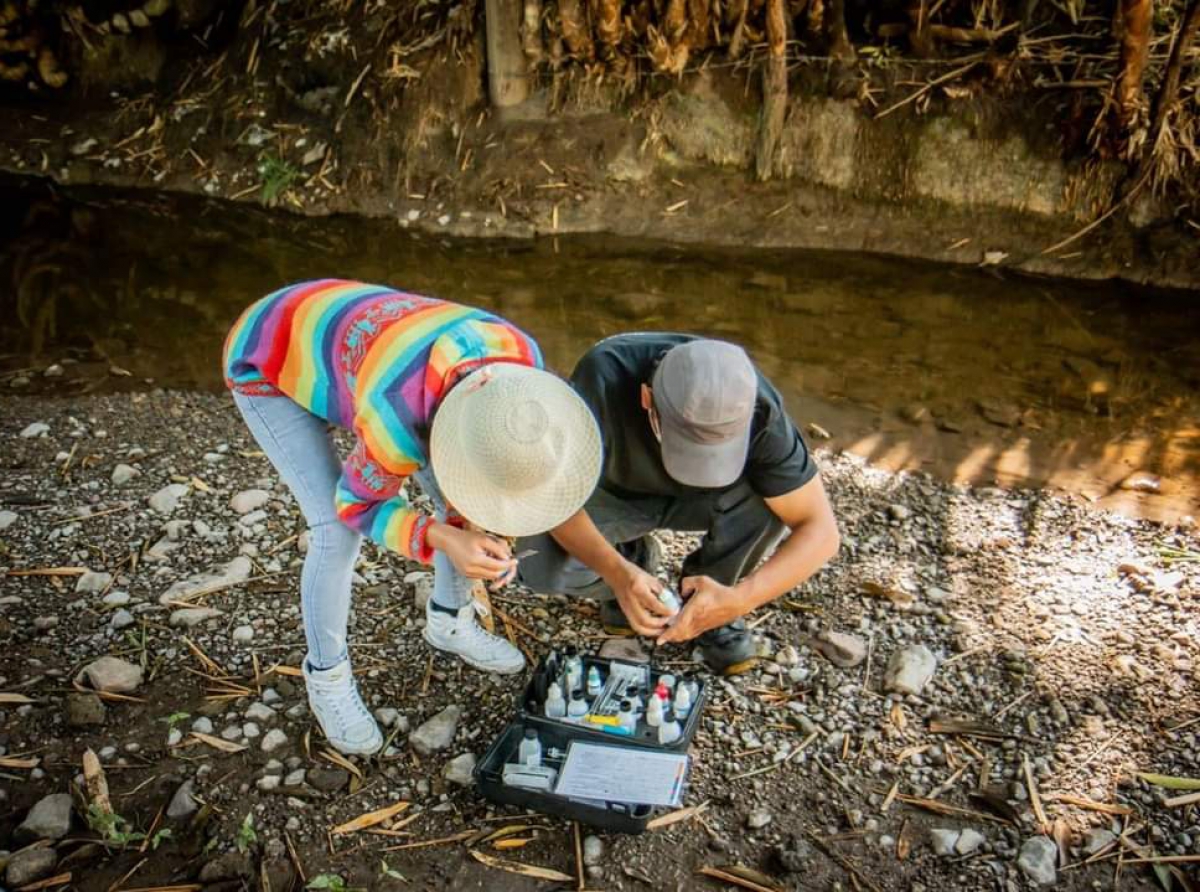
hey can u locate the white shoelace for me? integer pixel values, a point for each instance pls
(343, 694)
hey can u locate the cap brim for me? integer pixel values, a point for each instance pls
(704, 465)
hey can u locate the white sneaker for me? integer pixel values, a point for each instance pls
(333, 697)
(462, 635)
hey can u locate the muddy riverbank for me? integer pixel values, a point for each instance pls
(975, 376)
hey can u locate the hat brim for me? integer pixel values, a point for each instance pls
(486, 502)
(704, 465)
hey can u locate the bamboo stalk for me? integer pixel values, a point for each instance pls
(1134, 20)
(775, 93)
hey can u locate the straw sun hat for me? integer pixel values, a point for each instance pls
(514, 449)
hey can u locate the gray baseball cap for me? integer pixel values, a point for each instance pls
(704, 393)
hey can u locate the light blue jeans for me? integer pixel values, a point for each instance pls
(300, 446)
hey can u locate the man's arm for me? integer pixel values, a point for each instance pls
(813, 541)
(636, 590)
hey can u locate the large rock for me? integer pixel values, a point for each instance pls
(328, 780)
(1097, 840)
(29, 866)
(968, 841)
(183, 803)
(7, 519)
(422, 584)
(437, 733)
(942, 840)
(460, 770)
(92, 582)
(260, 712)
(593, 850)
(249, 500)
(840, 648)
(123, 473)
(113, 675)
(84, 710)
(50, 818)
(237, 570)
(166, 500)
(189, 617)
(910, 669)
(1038, 860)
(230, 866)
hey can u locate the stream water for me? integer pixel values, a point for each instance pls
(970, 374)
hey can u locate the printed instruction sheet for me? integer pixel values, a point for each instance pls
(622, 774)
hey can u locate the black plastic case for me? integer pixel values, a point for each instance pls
(618, 816)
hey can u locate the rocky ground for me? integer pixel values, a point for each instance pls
(959, 702)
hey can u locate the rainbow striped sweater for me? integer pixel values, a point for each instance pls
(378, 362)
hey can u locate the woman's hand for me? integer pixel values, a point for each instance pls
(708, 605)
(474, 555)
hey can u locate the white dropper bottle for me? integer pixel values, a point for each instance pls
(654, 710)
(683, 701)
(556, 704)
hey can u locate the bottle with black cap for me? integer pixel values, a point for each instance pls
(578, 706)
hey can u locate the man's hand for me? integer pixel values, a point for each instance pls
(708, 605)
(475, 555)
(637, 593)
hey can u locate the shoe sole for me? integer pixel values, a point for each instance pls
(619, 631)
(739, 667)
(480, 666)
(349, 751)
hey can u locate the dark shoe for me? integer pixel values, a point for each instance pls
(729, 650)
(612, 618)
(647, 554)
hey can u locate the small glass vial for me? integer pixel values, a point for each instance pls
(529, 753)
(594, 683)
(578, 706)
(654, 710)
(669, 730)
(556, 703)
(627, 717)
(670, 600)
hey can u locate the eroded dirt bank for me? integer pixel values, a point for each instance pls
(321, 112)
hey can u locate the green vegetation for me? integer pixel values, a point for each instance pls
(246, 838)
(277, 177)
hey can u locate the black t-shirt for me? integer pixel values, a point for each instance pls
(609, 378)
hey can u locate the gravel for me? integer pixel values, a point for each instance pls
(1056, 623)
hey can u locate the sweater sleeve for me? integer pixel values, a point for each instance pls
(370, 499)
